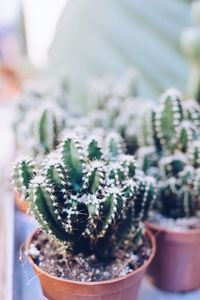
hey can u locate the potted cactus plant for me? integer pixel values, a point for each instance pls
(90, 202)
(176, 218)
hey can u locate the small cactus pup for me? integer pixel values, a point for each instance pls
(90, 202)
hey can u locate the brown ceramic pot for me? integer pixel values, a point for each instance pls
(22, 205)
(176, 265)
(123, 288)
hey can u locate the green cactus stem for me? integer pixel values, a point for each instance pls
(166, 120)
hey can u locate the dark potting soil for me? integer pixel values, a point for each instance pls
(53, 258)
(175, 224)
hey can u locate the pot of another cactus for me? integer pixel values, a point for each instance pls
(90, 202)
(175, 222)
(176, 266)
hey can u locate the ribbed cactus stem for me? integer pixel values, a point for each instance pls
(73, 159)
(146, 191)
(166, 120)
(186, 133)
(23, 172)
(192, 112)
(94, 175)
(114, 146)
(194, 154)
(94, 148)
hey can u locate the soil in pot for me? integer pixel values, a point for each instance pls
(51, 257)
(83, 288)
(176, 265)
(174, 224)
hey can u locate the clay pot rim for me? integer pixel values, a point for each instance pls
(157, 227)
(95, 283)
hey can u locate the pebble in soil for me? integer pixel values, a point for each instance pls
(52, 257)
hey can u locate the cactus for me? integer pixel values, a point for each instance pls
(88, 194)
(39, 132)
(166, 120)
(174, 157)
(46, 127)
(41, 114)
(176, 198)
(23, 172)
(178, 182)
(194, 154)
(174, 124)
(147, 159)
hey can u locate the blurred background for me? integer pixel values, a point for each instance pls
(80, 40)
(83, 39)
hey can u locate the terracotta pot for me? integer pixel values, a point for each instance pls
(22, 205)
(176, 265)
(125, 287)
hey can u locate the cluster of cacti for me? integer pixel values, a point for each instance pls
(36, 92)
(176, 189)
(119, 111)
(109, 86)
(174, 157)
(39, 120)
(190, 42)
(87, 194)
